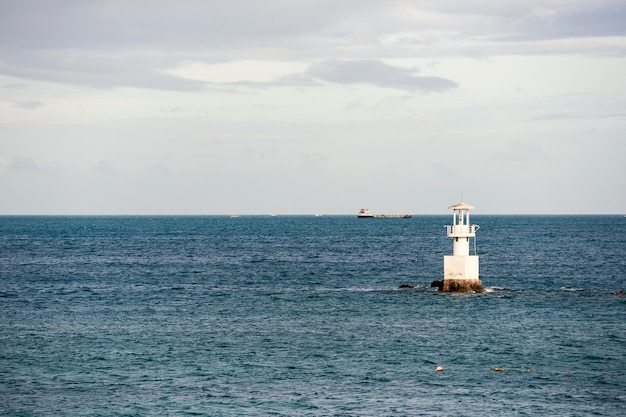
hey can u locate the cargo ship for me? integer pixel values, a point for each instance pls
(367, 214)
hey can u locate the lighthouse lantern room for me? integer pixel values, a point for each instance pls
(460, 270)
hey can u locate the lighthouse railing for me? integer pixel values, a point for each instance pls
(462, 230)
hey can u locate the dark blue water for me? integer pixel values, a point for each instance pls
(302, 316)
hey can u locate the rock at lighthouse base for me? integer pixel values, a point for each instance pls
(461, 285)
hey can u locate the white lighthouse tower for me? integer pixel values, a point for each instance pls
(460, 271)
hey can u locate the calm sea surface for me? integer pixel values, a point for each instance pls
(302, 316)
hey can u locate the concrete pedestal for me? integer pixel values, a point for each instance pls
(460, 274)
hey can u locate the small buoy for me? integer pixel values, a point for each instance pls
(439, 369)
(497, 369)
(566, 372)
(529, 370)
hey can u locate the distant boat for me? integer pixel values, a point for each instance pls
(367, 214)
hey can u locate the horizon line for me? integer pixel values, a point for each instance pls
(281, 214)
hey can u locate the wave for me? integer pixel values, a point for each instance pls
(492, 289)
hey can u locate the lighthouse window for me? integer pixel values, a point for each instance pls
(456, 239)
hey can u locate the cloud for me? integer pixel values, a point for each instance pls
(26, 164)
(377, 73)
(107, 44)
(98, 69)
(366, 71)
(106, 167)
(28, 104)
(595, 20)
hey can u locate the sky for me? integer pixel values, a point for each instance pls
(312, 106)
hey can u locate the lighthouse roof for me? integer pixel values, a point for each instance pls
(461, 206)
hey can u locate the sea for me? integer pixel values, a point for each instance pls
(305, 316)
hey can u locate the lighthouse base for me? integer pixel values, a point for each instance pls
(461, 285)
(460, 274)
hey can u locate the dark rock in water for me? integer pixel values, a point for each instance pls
(458, 285)
(437, 284)
(405, 286)
(462, 285)
(619, 293)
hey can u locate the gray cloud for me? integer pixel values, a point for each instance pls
(28, 104)
(97, 69)
(363, 71)
(106, 167)
(27, 164)
(377, 73)
(598, 20)
(107, 44)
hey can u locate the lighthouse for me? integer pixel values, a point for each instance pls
(460, 270)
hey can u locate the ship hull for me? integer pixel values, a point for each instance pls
(367, 214)
(384, 216)
(393, 216)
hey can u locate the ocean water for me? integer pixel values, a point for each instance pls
(303, 316)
